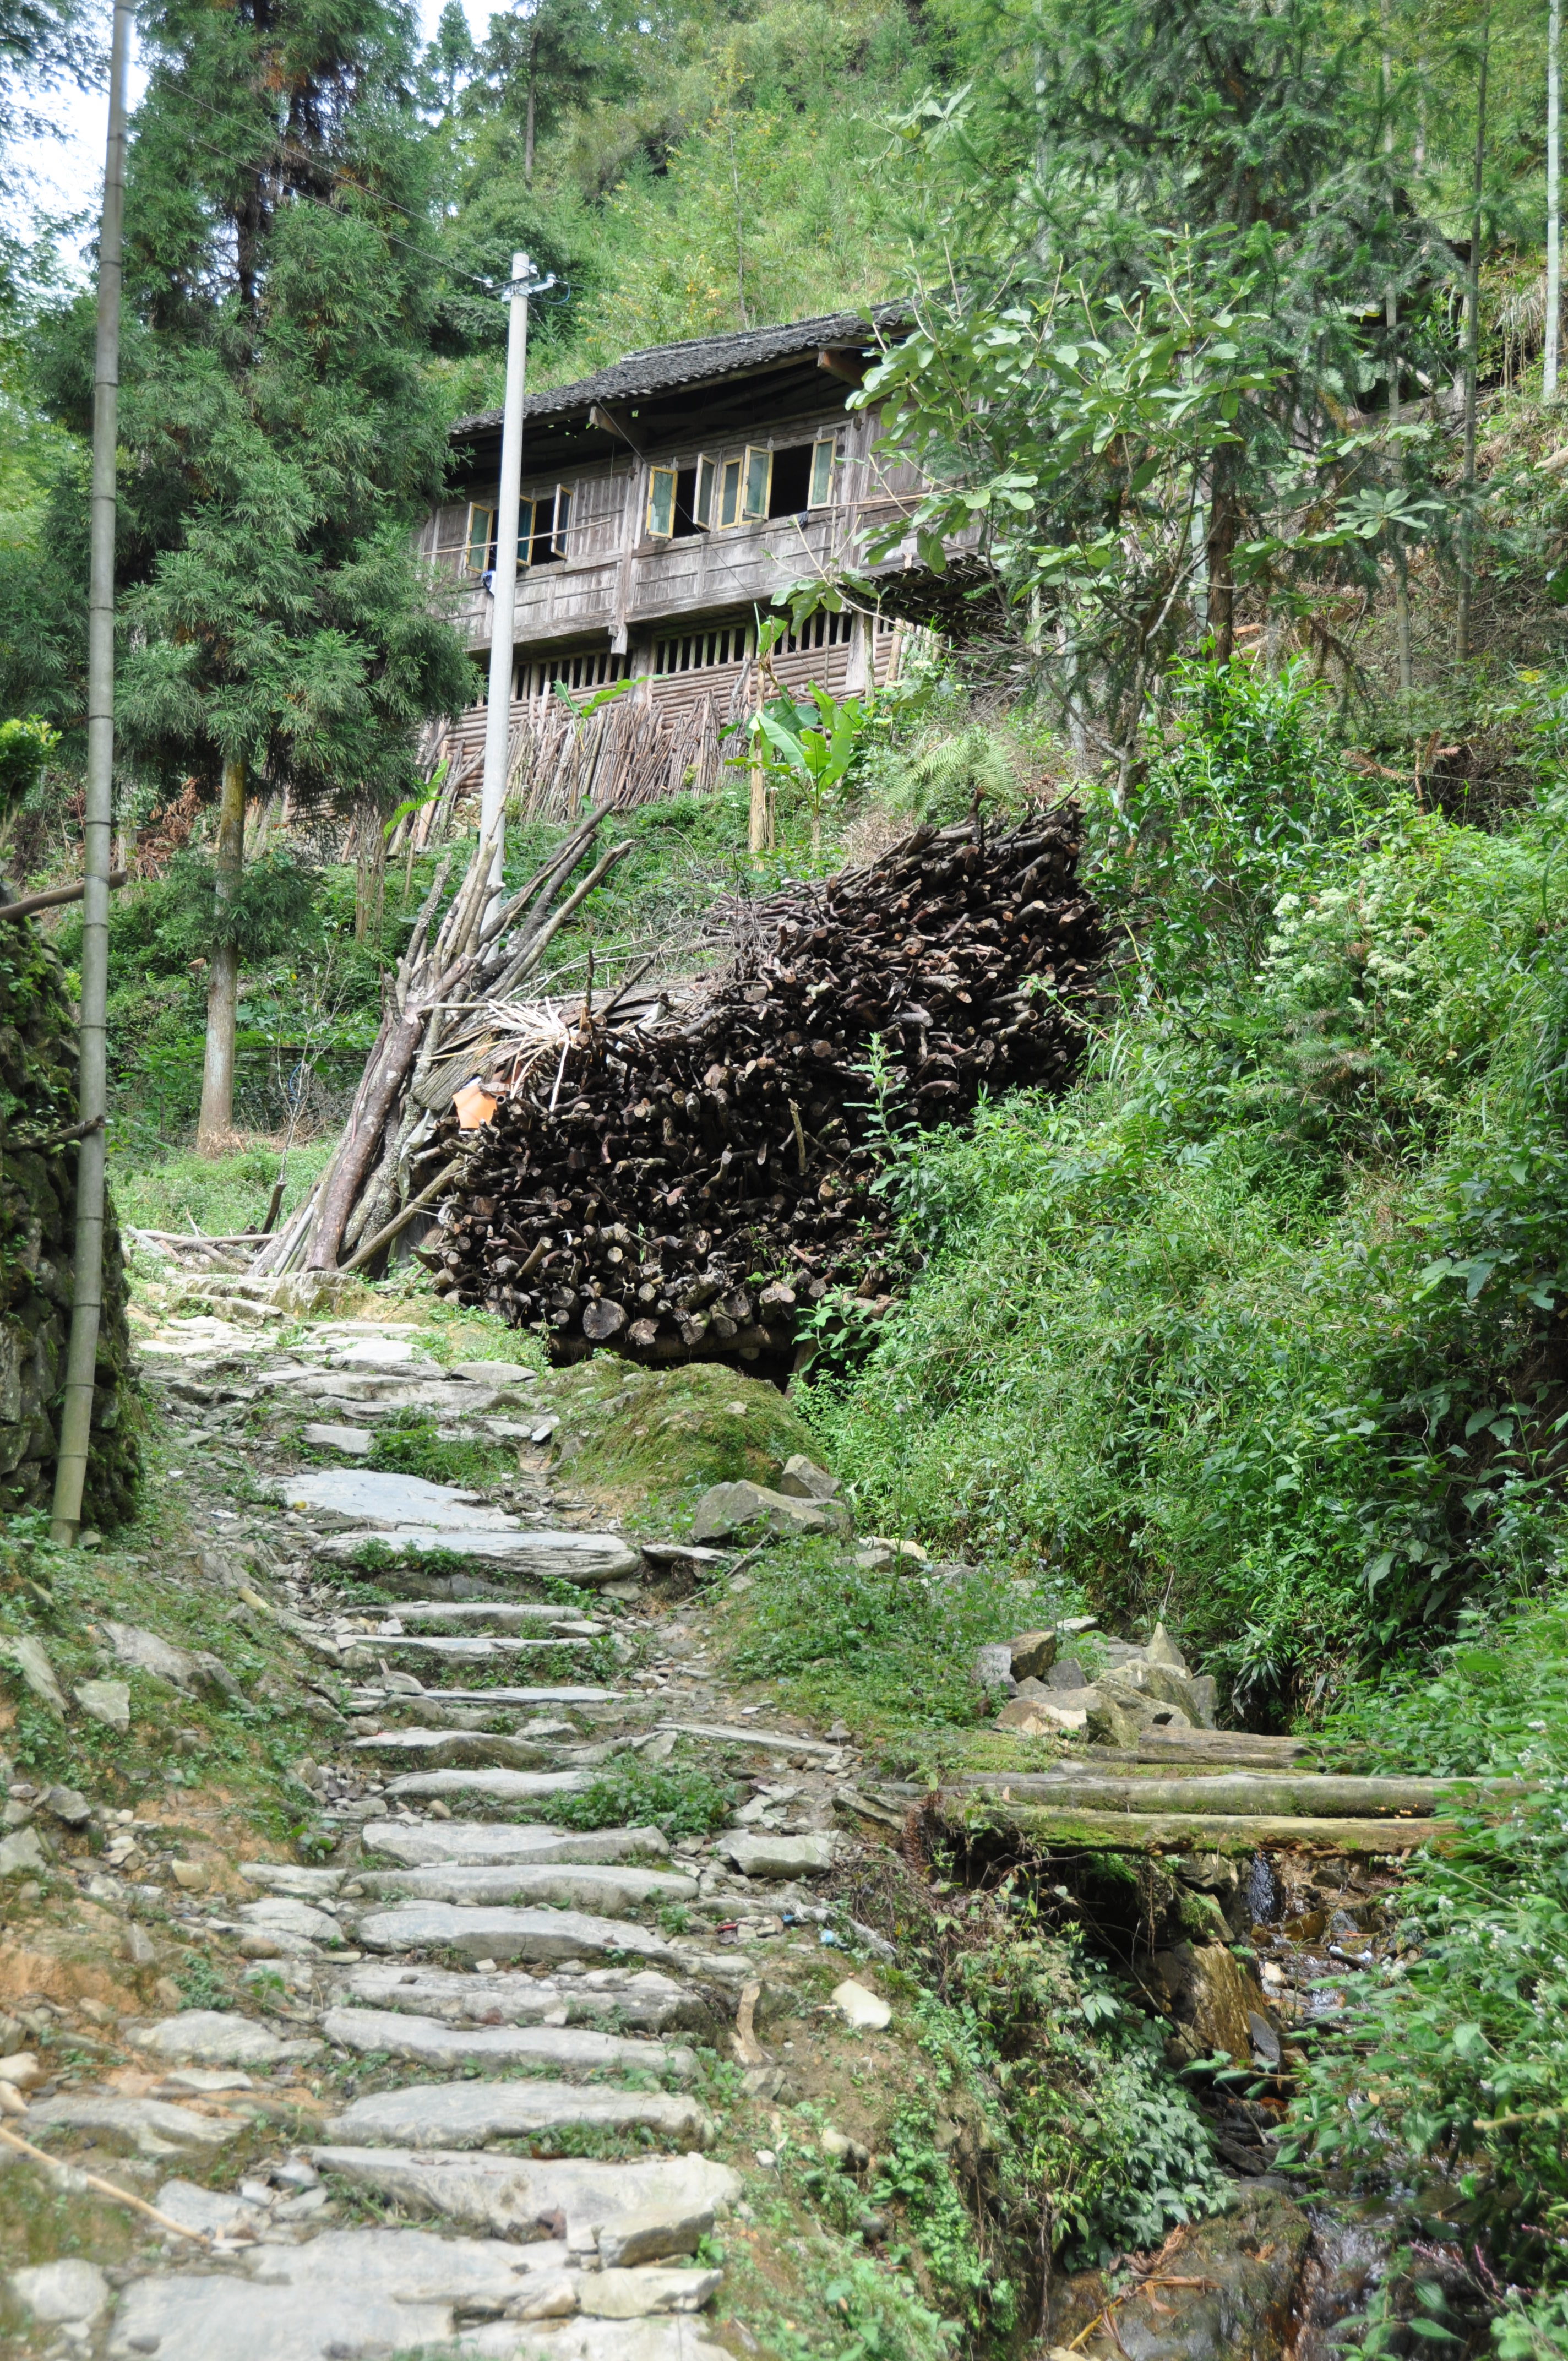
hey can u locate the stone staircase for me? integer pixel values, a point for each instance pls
(516, 2009)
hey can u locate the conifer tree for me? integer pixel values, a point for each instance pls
(281, 433)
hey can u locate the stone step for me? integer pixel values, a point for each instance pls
(153, 2126)
(379, 2292)
(509, 1934)
(1300, 1794)
(566, 2050)
(423, 1648)
(212, 2036)
(1227, 1832)
(640, 1997)
(512, 2194)
(473, 2113)
(416, 1844)
(493, 1785)
(369, 1501)
(445, 1749)
(588, 1560)
(497, 1615)
(614, 1891)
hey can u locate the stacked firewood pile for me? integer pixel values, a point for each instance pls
(690, 1179)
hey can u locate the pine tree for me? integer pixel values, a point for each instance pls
(282, 434)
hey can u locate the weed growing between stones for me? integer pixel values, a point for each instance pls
(412, 1445)
(631, 1792)
(887, 1652)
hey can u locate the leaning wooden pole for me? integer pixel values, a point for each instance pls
(87, 1280)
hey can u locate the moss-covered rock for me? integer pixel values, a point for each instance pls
(37, 1217)
(663, 1436)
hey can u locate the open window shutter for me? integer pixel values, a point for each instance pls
(525, 533)
(730, 494)
(822, 458)
(661, 502)
(562, 524)
(758, 484)
(702, 498)
(481, 536)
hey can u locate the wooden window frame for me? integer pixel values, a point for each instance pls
(669, 477)
(824, 459)
(478, 509)
(732, 475)
(529, 509)
(705, 492)
(756, 453)
(563, 520)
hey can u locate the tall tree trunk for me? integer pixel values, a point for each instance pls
(530, 118)
(1553, 199)
(216, 1121)
(1472, 350)
(1223, 529)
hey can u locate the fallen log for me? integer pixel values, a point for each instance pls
(1325, 1795)
(1229, 1832)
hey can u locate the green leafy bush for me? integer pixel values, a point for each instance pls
(1454, 2058)
(631, 1792)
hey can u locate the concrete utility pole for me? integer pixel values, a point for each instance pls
(503, 578)
(87, 1284)
(1554, 197)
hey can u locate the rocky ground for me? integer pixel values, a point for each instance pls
(439, 2072)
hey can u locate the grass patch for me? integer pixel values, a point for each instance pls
(660, 1437)
(412, 1445)
(891, 1652)
(220, 1195)
(631, 1792)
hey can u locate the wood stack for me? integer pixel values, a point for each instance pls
(693, 1179)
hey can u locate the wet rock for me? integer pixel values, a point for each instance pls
(1225, 2291)
(1212, 1999)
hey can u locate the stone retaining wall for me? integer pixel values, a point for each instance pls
(37, 1207)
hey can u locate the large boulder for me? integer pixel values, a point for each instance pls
(1225, 2289)
(730, 1508)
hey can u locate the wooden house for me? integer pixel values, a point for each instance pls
(664, 501)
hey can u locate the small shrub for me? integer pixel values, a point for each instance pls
(631, 1792)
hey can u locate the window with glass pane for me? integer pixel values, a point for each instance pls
(730, 494)
(479, 548)
(562, 525)
(525, 531)
(661, 502)
(822, 458)
(758, 484)
(702, 498)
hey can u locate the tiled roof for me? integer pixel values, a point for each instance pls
(665, 367)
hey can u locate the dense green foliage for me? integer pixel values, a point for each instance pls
(1455, 2057)
(1261, 1319)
